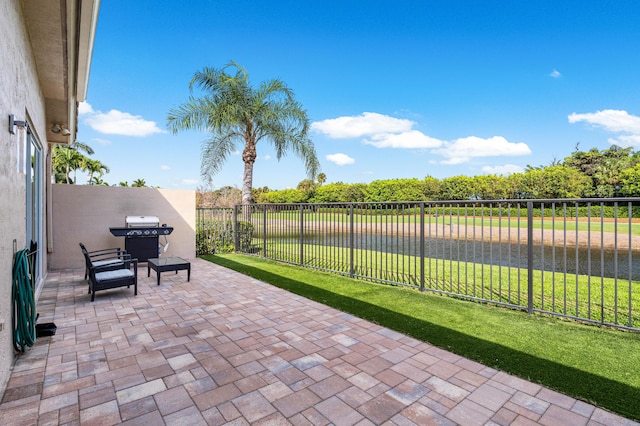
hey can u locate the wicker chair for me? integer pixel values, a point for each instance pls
(106, 272)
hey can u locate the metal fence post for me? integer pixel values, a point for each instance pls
(351, 243)
(530, 256)
(422, 246)
(236, 237)
(264, 230)
(301, 234)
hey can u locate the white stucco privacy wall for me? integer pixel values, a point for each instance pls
(84, 214)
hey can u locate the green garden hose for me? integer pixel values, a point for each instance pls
(24, 314)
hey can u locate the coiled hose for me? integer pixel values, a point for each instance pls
(24, 314)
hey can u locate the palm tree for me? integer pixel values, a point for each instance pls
(64, 161)
(67, 158)
(139, 183)
(322, 178)
(234, 112)
(82, 160)
(96, 166)
(97, 180)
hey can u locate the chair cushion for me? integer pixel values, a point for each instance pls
(106, 262)
(114, 275)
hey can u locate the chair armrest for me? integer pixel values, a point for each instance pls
(107, 254)
(125, 260)
(105, 251)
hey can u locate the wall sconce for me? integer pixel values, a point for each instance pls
(60, 128)
(13, 123)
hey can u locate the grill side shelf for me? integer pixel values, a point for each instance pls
(140, 232)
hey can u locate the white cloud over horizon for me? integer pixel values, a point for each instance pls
(190, 181)
(408, 139)
(555, 73)
(103, 142)
(613, 121)
(507, 169)
(340, 159)
(464, 149)
(382, 131)
(367, 124)
(117, 122)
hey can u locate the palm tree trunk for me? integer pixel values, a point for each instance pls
(247, 182)
(249, 158)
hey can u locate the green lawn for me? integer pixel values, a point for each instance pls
(598, 365)
(582, 296)
(455, 218)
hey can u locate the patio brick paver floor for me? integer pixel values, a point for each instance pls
(228, 349)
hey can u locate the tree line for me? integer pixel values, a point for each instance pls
(68, 160)
(613, 172)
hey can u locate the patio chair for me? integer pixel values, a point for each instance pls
(109, 276)
(110, 258)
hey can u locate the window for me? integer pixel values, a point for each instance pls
(33, 163)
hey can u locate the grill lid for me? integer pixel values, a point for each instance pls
(141, 221)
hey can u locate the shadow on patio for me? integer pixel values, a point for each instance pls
(225, 348)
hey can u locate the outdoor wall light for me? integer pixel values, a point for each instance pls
(60, 128)
(13, 123)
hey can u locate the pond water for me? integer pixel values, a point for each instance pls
(594, 262)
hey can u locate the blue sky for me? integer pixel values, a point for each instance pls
(394, 89)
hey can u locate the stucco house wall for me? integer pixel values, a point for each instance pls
(84, 214)
(46, 49)
(20, 95)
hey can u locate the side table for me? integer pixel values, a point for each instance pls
(160, 264)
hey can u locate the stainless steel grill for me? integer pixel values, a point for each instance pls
(141, 236)
(142, 221)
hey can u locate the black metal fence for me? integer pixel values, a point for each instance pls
(578, 259)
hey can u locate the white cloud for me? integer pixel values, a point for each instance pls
(507, 169)
(614, 121)
(384, 131)
(410, 139)
(266, 157)
(84, 108)
(103, 142)
(611, 120)
(164, 167)
(367, 124)
(555, 73)
(340, 159)
(626, 141)
(189, 181)
(464, 149)
(117, 122)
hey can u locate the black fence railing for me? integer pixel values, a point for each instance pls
(578, 259)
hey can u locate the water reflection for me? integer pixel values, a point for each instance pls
(595, 262)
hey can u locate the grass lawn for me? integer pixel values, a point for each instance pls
(462, 218)
(601, 300)
(598, 365)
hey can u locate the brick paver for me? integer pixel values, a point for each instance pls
(225, 348)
